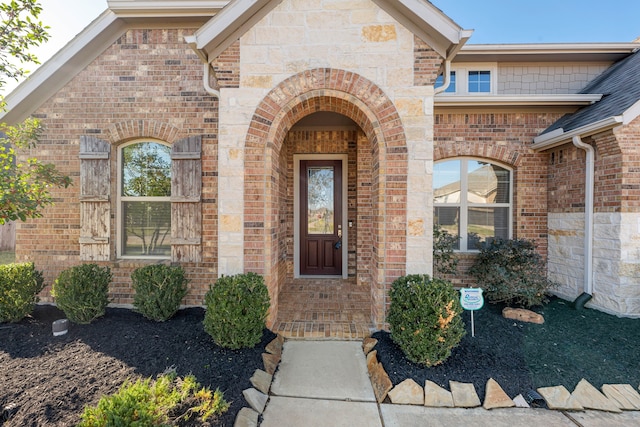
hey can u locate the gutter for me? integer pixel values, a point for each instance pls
(559, 137)
(464, 36)
(192, 41)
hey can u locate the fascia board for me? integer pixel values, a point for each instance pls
(559, 137)
(547, 52)
(428, 23)
(168, 8)
(229, 25)
(631, 113)
(62, 67)
(513, 100)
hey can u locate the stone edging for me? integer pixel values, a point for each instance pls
(258, 395)
(613, 398)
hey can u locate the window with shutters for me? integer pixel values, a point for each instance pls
(144, 200)
(472, 200)
(158, 209)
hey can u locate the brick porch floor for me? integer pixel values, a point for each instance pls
(324, 308)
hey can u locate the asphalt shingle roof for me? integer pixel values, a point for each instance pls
(620, 86)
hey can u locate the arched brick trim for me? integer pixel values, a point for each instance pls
(130, 129)
(366, 104)
(494, 152)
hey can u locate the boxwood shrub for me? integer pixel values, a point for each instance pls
(82, 292)
(236, 312)
(19, 288)
(424, 318)
(159, 289)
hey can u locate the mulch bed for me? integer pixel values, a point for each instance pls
(51, 379)
(569, 346)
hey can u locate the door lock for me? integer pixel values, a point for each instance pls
(340, 231)
(338, 244)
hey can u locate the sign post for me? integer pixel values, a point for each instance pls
(471, 299)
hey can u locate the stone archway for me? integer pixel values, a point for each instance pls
(369, 107)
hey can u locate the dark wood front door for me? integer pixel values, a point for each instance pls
(321, 217)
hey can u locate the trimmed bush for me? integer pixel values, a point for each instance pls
(237, 308)
(512, 272)
(159, 290)
(167, 401)
(424, 318)
(444, 259)
(82, 292)
(19, 287)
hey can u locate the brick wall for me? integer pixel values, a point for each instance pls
(503, 138)
(148, 84)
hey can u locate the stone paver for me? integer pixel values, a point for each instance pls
(323, 370)
(261, 380)
(464, 395)
(293, 412)
(255, 399)
(436, 396)
(495, 397)
(590, 398)
(624, 395)
(420, 416)
(408, 392)
(247, 417)
(558, 397)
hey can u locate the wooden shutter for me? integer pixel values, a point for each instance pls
(95, 207)
(186, 191)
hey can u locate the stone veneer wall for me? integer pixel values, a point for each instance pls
(294, 62)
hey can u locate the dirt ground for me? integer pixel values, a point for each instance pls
(47, 380)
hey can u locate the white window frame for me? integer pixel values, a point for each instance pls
(121, 199)
(462, 78)
(464, 204)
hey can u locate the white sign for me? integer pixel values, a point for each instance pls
(471, 298)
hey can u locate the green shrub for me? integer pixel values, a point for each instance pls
(159, 290)
(165, 401)
(82, 292)
(424, 318)
(237, 308)
(511, 271)
(19, 287)
(444, 260)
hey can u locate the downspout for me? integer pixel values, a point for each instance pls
(447, 78)
(205, 80)
(588, 224)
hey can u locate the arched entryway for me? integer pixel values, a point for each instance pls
(375, 155)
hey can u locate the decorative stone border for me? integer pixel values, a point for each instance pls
(613, 398)
(258, 395)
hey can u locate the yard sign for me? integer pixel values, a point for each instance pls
(471, 299)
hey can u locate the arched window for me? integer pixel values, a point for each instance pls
(144, 197)
(473, 200)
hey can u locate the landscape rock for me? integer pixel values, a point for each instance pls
(275, 346)
(520, 402)
(368, 344)
(380, 382)
(247, 417)
(523, 315)
(495, 397)
(255, 399)
(408, 392)
(590, 398)
(270, 362)
(464, 395)
(261, 380)
(558, 397)
(372, 360)
(436, 396)
(624, 395)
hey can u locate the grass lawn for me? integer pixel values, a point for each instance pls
(7, 257)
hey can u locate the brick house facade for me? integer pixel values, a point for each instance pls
(295, 83)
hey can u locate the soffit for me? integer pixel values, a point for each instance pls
(546, 52)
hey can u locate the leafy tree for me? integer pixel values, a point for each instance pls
(24, 186)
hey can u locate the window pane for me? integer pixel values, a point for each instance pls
(320, 215)
(487, 183)
(146, 228)
(479, 81)
(446, 182)
(146, 170)
(485, 223)
(449, 219)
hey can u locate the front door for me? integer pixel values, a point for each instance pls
(321, 217)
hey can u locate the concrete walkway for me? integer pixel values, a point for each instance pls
(325, 383)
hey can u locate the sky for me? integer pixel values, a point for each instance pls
(494, 21)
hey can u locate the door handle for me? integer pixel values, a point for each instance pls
(338, 244)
